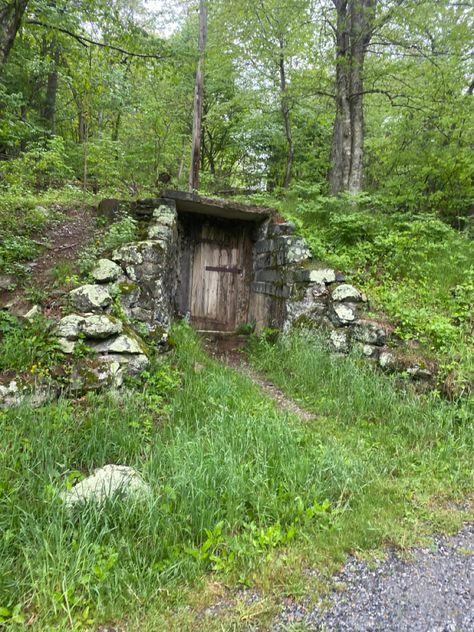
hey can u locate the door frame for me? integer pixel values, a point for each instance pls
(191, 233)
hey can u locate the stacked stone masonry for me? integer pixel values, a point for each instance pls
(293, 291)
(133, 289)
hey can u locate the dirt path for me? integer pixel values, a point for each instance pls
(63, 240)
(230, 351)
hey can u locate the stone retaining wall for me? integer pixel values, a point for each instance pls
(135, 292)
(290, 290)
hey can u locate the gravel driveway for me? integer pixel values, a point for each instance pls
(432, 593)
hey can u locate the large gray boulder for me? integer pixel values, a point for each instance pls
(107, 482)
(106, 271)
(90, 298)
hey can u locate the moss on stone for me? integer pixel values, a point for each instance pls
(303, 322)
(131, 333)
(127, 287)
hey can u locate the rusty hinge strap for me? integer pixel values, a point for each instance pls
(220, 269)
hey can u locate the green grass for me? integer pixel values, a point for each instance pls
(411, 448)
(28, 346)
(225, 466)
(240, 489)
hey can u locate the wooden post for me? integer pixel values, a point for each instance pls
(198, 100)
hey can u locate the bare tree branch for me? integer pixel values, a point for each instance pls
(86, 41)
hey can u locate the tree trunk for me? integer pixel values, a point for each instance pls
(116, 127)
(341, 138)
(355, 21)
(11, 13)
(198, 100)
(49, 106)
(285, 111)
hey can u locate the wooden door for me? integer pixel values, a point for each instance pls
(219, 293)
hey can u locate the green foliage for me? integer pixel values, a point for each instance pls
(42, 165)
(118, 234)
(28, 347)
(14, 250)
(386, 427)
(415, 268)
(232, 480)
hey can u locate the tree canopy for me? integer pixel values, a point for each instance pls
(340, 95)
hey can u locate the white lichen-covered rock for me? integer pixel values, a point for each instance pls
(101, 326)
(386, 360)
(66, 346)
(70, 326)
(132, 364)
(13, 394)
(135, 364)
(417, 372)
(121, 344)
(298, 251)
(346, 293)
(129, 254)
(92, 375)
(106, 271)
(311, 309)
(370, 333)
(160, 232)
(107, 482)
(324, 275)
(165, 215)
(367, 351)
(10, 394)
(345, 314)
(90, 298)
(32, 313)
(340, 340)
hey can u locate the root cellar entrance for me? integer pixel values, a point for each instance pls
(215, 270)
(216, 241)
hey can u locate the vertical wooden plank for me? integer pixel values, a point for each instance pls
(220, 299)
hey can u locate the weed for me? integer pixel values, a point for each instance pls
(63, 272)
(28, 346)
(15, 250)
(35, 293)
